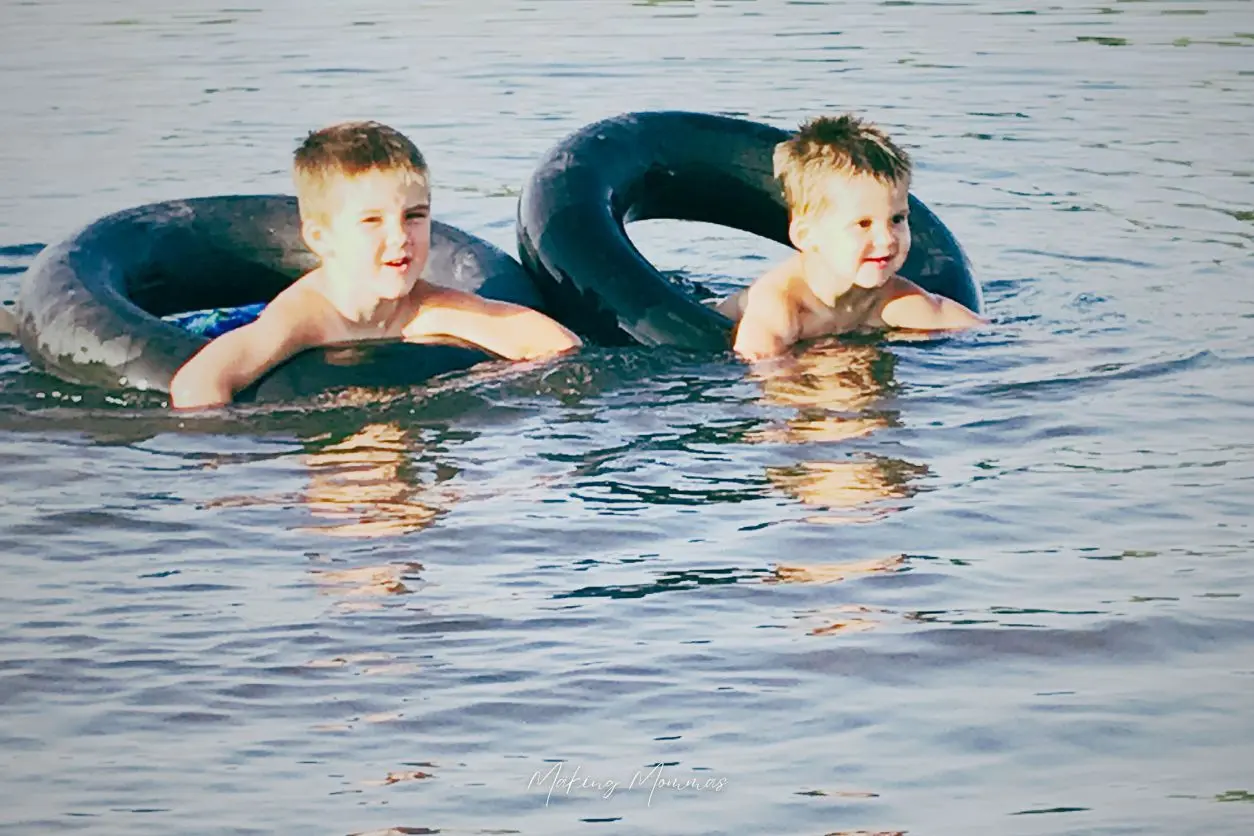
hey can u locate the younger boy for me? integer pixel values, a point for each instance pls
(847, 185)
(365, 208)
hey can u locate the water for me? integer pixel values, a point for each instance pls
(996, 584)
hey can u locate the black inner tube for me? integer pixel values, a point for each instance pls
(89, 308)
(573, 212)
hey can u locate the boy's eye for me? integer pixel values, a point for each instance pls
(371, 219)
(417, 215)
(900, 218)
(865, 223)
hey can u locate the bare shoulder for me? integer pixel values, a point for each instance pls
(780, 277)
(426, 294)
(433, 309)
(769, 321)
(898, 286)
(776, 290)
(436, 311)
(300, 314)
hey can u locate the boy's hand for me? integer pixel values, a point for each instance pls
(753, 344)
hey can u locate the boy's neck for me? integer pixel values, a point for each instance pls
(820, 280)
(359, 311)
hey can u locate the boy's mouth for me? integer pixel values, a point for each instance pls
(401, 263)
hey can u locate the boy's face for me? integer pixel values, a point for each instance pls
(378, 236)
(862, 237)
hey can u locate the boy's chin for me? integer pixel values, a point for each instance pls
(871, 279)
(393, 288)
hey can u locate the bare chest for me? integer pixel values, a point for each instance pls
(382, 325)
(853, 311)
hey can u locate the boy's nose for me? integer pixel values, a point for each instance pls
(396, 233)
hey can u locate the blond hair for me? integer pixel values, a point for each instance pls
(829, 145)
(348, 149)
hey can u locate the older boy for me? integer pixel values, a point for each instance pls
(847, 185)
(365, 207)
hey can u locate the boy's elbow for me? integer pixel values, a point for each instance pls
(540, 340)
(956, 316)
(188, 390)
(558, 340)
(562, 342)
(189, 396)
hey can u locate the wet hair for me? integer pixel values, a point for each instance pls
(348, 149)
(829, 145)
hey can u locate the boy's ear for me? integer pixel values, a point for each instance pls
(315, 235)
(799, 231)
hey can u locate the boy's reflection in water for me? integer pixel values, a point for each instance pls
(840, 618)
(367, 485)
(833, 386)
(854, 491)
(838, 391)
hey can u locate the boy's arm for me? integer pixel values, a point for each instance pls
(512, 331)
(767, 327)
(909, 306)
(236, 359)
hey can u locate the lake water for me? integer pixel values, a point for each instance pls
(996, 584)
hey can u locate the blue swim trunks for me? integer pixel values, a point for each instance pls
(216, 321)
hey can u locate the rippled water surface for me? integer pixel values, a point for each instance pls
(993, 584)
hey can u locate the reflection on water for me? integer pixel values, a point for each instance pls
(850, 618)
(838, 374)
(402, 777)
(367, 486)
(367, 664)
(854, 491)
(361, 584)
(673, 581)
(834, 387)
(837, 389)
(840, 618)
(796, 573)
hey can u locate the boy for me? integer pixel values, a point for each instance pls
(365, 207)
(846, 184)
